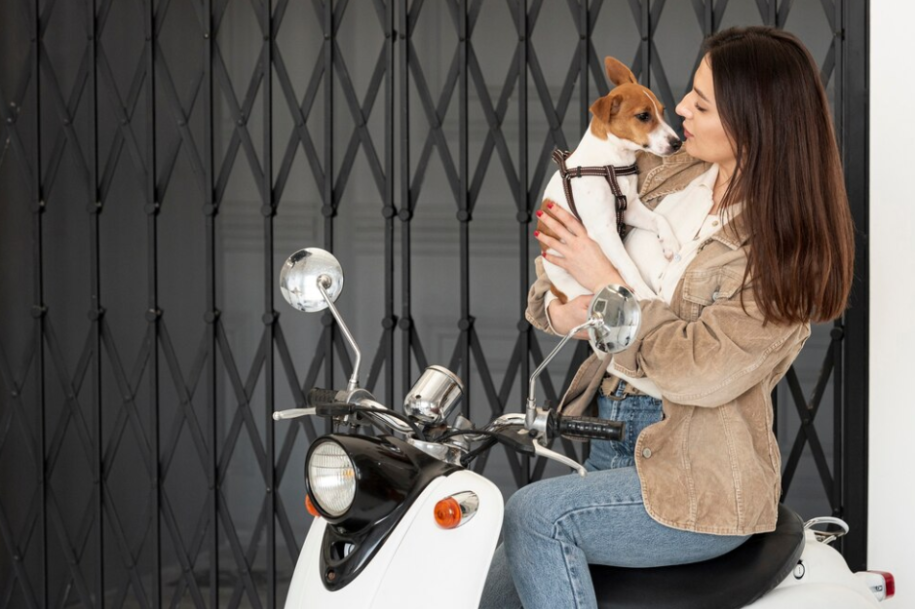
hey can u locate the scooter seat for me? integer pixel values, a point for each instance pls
(727, 582)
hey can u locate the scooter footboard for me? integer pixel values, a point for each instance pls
(420, 564)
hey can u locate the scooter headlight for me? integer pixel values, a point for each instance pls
(331, 478)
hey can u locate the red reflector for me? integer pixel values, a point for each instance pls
(890, 583)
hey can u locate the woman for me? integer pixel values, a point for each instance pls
(757, 200)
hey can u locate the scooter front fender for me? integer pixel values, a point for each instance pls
(420, 564)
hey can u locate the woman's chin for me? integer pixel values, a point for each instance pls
(692, 150)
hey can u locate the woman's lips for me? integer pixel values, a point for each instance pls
(687, 134)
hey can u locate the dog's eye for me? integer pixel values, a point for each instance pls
(644, 117)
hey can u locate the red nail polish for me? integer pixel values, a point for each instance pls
(536, 233)
(549, 205)
(539, 213)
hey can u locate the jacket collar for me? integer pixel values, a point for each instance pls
(727, 234)
(660, 176)
(666, 175)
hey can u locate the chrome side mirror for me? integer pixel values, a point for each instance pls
(299, 275)
(620, 315)
(614, 316)
(311, 280)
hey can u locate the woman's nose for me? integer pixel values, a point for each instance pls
(681, 109)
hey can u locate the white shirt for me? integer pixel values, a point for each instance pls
(688, 214)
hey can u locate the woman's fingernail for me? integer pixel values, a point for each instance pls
(549, 205)
(536, 233)
(539, 212)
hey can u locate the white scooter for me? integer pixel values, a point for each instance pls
(400, 521)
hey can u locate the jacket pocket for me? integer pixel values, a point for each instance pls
(704, 287)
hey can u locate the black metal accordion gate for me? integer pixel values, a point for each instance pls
(160, 158)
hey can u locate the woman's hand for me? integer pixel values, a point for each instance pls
(580, 255)
(564, 317)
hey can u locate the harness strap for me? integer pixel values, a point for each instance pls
(608, 172)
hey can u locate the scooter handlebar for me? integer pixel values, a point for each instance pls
(586, 428)
(318, 397)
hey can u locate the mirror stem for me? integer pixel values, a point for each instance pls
(325, 281)
(531, 412)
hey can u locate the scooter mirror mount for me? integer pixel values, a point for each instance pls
(614, 316)
(311, 280)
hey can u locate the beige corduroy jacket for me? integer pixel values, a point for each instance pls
(712, 465)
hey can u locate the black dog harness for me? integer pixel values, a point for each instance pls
(609, 172)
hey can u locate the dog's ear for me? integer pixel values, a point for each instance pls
(617, 72)
(605, 107)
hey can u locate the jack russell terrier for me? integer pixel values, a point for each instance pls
(598, 181)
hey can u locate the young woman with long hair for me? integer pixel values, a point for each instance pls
(757, 200)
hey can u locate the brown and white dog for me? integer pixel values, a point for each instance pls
(628, 119)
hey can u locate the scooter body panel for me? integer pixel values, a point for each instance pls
(409, 569)
(822, 579)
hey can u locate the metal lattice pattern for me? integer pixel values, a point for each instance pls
(79, 408)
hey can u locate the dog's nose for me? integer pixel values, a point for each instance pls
(675, 144)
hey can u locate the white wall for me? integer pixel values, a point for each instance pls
(891, 540)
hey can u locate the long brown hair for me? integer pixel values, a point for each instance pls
(789, 176)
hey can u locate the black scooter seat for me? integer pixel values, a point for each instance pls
(727, 582)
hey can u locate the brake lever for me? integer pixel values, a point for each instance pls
(543, 451)
(521, 440)
(292, 413)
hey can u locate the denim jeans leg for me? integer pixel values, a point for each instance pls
(554, 528)
(499, 591)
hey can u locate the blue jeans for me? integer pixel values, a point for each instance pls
(555, 528)
(637, 412)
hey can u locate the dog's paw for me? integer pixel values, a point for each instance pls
(669, 252)
(669, 243)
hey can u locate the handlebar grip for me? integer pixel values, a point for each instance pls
(318, 397)
(589, 428)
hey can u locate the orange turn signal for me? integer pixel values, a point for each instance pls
(311, 507)
(448, 513)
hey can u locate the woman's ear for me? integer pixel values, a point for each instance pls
(606, 107)
(617, 72)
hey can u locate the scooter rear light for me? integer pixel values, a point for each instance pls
(881, 583)
(311, 507)
(890, 583)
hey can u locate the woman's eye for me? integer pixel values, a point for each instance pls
(700, 108)
(644, 117)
